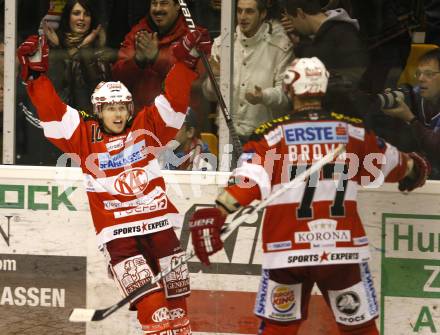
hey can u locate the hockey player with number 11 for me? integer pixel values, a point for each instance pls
(132, 214)
(312, 233)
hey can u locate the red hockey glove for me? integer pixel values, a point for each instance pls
(421, 168)
(187, 50)
(33, 55)
(206, 225)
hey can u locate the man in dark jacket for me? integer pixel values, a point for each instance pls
(335, 38)
(332, 36)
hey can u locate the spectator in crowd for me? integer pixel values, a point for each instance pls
(261, 54)
(77, 64)
(424, 116)
(332, 36)
(77, 57)
(145, 56)
(188, 151)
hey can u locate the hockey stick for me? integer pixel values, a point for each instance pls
(234, 137)
(87, 314)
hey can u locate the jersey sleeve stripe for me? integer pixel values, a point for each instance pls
(256, 173)
(63, 129)
(168, 114)
(392, 159)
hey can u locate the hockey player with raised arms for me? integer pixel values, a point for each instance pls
(312, 233)
(131, 212)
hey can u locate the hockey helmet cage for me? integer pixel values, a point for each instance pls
(111, 92)
(307, 77)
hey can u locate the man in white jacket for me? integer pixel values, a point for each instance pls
(262, 52)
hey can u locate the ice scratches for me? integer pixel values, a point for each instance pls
(38, 320)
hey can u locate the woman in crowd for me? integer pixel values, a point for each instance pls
(77, 59)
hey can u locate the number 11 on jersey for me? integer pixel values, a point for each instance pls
(331, 171)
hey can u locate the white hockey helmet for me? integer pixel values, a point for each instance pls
(307, 77)
(111, 92)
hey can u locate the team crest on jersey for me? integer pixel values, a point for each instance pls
(131, 182)
(316, 133)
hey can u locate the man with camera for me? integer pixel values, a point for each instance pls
(423, 112)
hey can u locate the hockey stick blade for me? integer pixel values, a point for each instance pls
(88, 314)
(83, 315)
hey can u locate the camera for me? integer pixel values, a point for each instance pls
(405, 92)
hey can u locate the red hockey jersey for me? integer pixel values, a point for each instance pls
(316, 223)
(123, 180)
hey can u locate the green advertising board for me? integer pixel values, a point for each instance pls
(410, 274)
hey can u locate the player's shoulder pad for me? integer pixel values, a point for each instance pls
(86, 116)
(346, 118)
(279, 39)
(266, 127)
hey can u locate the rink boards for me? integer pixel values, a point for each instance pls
(49, 262)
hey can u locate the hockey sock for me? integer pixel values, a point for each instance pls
(153, 314)
(179, 316)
